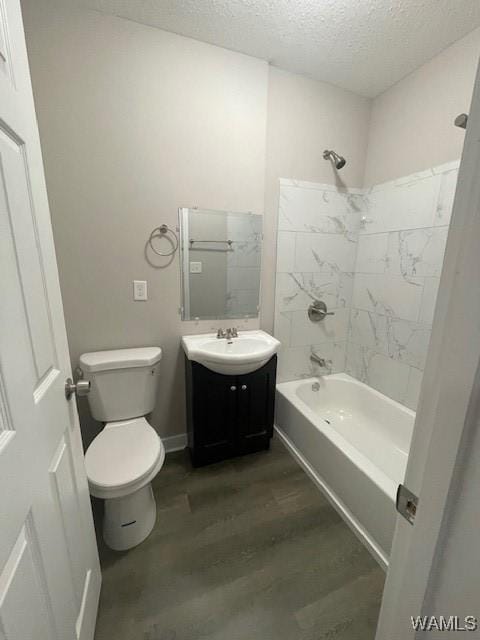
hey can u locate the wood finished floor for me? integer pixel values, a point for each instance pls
(242, 550)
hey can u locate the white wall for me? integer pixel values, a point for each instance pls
(411, 127)
(134, 123)
(304, 118)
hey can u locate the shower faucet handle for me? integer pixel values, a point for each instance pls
(317, 311)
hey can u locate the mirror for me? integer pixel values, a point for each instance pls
(220, 264)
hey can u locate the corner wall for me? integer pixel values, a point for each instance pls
(411, 126)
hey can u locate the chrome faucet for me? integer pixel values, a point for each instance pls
(230, 333)
(325, 364)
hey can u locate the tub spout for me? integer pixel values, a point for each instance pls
(325, 364)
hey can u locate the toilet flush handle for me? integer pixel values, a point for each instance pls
(81, 388)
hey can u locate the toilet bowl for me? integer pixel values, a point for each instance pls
(121, 462)
(127, 454)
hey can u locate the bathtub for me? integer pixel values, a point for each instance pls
(353, 441)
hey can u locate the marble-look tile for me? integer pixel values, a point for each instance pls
(295, 363)
(403, 180)
(321, 198)
(320, 186)
(446, 197)
(408, 342)
(391, 296)
(324, 253)
(317, 211)
(241, 303)
(244, 254)
(405, 206)
(243, 278)
(429, 299)
(285, 251)
(413, 388)
(416, 252)
(282, 327)
(388, 376)
(331, 329)
(298, 290)
(396, 256)
(244, 228)
(368, 329)
(372, 253)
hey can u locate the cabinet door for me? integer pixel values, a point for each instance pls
(256, 398)
(215, 408)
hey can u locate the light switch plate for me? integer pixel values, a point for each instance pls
(195, 267)
(140, 290)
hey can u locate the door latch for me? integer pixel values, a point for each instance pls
(81, 388)
(407, 503)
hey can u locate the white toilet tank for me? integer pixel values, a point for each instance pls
(123, 382)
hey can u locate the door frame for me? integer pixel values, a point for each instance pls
(447, 410)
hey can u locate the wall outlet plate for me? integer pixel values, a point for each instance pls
(195, 267)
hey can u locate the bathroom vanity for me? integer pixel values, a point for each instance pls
(228, 415)
(230, 374)
(230, 388)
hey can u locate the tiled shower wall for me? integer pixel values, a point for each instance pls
(318, 230)
(375, 257)
(399, 260)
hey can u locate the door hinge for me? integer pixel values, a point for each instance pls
(407, 503)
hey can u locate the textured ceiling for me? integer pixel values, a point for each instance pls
(361, 45)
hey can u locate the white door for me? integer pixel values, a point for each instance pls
(49, 570)
(435, 564)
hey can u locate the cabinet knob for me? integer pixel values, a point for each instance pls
(244, 386)
(233, 388)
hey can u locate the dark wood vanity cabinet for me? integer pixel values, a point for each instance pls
(228, 415)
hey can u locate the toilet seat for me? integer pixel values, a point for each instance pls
(124, 457)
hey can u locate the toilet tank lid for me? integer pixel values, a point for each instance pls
(120, 359)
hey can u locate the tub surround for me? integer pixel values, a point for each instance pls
(317, 243)
(399, 260)
(375, 257)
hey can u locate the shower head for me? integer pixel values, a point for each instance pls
(339, 161)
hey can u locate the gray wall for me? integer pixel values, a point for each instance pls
(411, 127)
(134, 123)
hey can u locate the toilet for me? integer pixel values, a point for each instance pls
(127, 454)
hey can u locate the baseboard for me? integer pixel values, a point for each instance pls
(175, 443)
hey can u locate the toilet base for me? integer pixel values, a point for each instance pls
(130, 519)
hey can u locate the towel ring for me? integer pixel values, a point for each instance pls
(162, 231)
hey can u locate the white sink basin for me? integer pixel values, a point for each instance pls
(247, 353)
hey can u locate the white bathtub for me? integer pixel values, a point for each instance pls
(354, 442)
